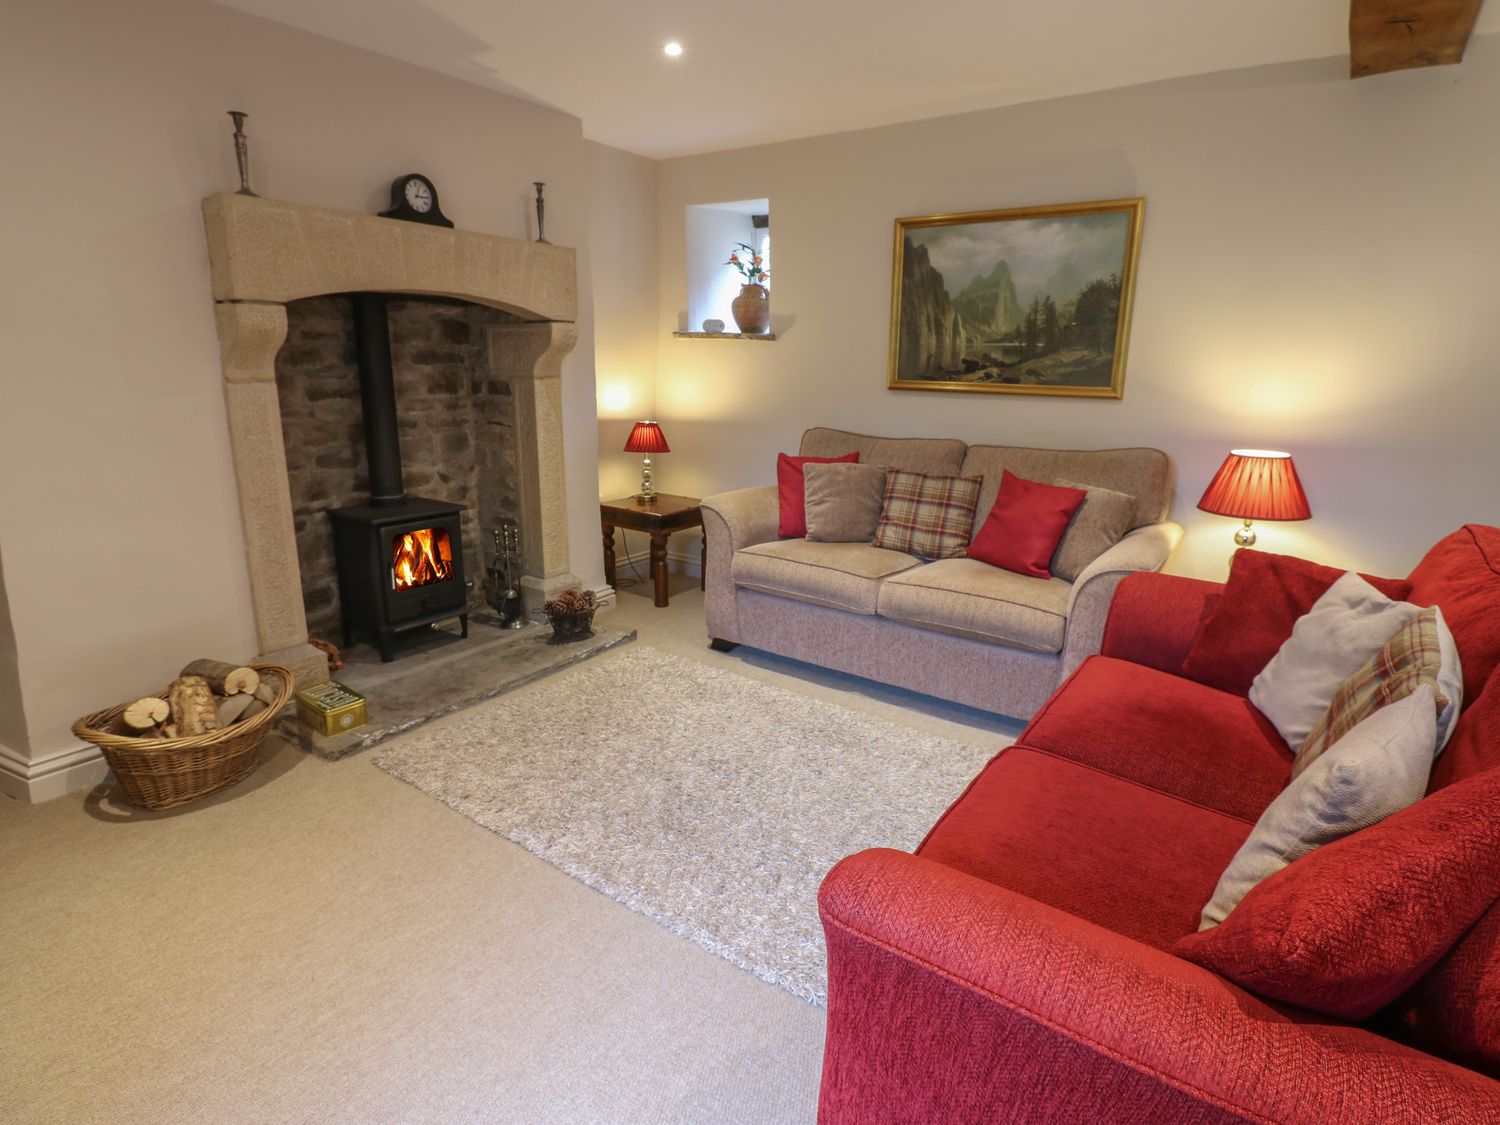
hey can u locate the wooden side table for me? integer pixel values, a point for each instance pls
(658, 518)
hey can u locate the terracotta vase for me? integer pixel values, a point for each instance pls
(752, 309)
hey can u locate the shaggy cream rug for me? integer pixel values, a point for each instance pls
(711, 803)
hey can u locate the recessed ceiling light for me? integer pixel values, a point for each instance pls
(672, 49)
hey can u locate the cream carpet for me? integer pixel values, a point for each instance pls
(324, 943)
(709, 802)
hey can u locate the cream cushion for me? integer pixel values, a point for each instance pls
(973, 599)
(1380, 767)
(1350, 623)
(1450, 682)
(839, 575)
(1413, 657)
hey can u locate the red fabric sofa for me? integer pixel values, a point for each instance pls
(1016, 968)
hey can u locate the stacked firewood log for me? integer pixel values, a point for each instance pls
(208, 695)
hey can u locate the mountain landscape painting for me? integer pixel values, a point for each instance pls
(1029, 301)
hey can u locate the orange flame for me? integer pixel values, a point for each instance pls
(421, 558)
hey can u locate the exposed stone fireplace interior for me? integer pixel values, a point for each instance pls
(267, 255)
(457, 423)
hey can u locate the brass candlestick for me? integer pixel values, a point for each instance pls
(541, 210)
(242, 151)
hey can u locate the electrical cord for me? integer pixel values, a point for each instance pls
(630, 561)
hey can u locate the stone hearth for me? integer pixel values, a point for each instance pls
(265, 254)
(444, 674)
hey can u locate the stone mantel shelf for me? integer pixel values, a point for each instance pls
(274, 251)
(724, 335)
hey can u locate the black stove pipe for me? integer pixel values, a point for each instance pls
(377, 392)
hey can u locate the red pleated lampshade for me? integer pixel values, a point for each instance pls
(1256, 484)
(647, 437)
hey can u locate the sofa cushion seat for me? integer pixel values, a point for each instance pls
(843, 576)
(1206, 746)
(973, 599)
(1120, 855)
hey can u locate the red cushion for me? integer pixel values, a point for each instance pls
(1261, 602)
(1475, 745)
(1023, 529)
(1454, 1011)
(1154, 618)
(1205, 746)
(1350, 927)
(790, 490)
(1117, 854)
(1460, 574)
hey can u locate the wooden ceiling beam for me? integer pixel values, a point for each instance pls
(1387, 35)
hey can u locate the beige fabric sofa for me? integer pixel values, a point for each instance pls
(957, 629)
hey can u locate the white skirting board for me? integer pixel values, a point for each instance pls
(68, 770)
(686, 561)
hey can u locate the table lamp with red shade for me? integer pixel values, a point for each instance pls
(646, 438)
(1256, 484)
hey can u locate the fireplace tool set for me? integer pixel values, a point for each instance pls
(504, 569)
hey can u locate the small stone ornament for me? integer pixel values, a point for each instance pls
(713, 326)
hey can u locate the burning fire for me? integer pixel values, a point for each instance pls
(421, 558)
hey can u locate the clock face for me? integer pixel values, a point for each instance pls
(418, 196)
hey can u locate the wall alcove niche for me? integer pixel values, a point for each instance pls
(711, 232)
(264, 254)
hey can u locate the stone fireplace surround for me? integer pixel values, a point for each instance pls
(265, 253)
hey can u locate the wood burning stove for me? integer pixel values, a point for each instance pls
(400, 558)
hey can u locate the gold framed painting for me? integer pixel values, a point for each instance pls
(1028, 301)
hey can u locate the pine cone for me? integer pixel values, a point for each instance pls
(571, 601)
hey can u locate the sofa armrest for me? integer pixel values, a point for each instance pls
(1154, 618)
(952, 999)
(1145, 548)
(731, 522)
(747, 515)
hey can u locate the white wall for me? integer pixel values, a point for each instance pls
(12, 713)
(118, 515)
(1317, 274)
(711, 234)
(623, 238)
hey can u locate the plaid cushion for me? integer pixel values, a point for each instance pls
(1409, 658)
(926, 515)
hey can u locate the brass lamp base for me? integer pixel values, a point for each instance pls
(1245, 536)
(648, 492)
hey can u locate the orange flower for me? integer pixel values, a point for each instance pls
(757, 259)
(734, 259)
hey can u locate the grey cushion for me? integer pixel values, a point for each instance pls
(838, 575)
(1378, 768)
(843, 502)
(1145, 474)
(1100, 522)
(973, 599)
(916, 455)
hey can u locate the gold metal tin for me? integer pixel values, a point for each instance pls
(330, 708)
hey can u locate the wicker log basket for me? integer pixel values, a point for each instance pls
(161, 773)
